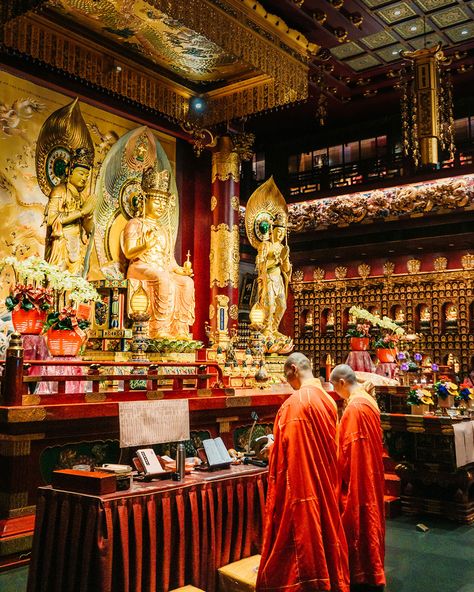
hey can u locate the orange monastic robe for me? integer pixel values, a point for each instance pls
(362, 493)
(304, 548)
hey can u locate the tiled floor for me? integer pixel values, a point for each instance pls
(440, 560)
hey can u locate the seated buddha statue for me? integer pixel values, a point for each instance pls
(148, 244)
(451, 313)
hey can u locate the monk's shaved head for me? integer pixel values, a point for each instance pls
(344, 372)
(299, 360)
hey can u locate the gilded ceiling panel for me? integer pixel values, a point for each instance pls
(461, 32)
(145, 30)
(363, 62)
(396, 12)
(392, 53)
(431, 40)
(449, 17)
(379, 39)
(346, 50)
(413, 28)
(428, 5)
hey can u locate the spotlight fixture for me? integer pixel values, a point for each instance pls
(197, 105)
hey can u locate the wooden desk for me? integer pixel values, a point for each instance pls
(155, 537)
(431, 483)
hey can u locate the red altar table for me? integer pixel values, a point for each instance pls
(360, 361)
(153, 538)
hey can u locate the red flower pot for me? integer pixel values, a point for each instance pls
(63, 342)
(28, 322)
(360, 343)
(386, 355)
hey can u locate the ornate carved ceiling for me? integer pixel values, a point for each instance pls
(362, 39)
(160, 53)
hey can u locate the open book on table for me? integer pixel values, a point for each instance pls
(216, 453)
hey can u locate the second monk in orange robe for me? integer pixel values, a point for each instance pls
(362, 491)
(304, 548)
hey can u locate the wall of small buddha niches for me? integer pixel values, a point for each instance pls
(437, 305)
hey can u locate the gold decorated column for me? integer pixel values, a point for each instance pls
(224, 253)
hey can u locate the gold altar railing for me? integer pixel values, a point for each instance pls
(78, 381)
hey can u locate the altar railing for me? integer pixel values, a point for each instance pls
(105, 381)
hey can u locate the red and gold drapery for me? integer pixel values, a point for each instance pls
(154, 538)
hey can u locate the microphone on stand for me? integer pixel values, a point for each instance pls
(254, 416)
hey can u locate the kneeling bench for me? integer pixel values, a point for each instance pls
(240, 576)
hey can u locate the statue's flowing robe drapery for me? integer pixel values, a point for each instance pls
(362, 492)
(66, 244)
(272, 289)
(304, 546)
(171, 294)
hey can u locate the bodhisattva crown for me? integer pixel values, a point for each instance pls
(155, 182)
(82, 157)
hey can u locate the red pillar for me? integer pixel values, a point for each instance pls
(224, 253)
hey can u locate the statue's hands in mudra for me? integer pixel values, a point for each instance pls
(88, 207)
(150, 239)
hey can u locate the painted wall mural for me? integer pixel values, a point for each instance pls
(24, 107)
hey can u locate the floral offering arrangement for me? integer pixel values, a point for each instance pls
(388, 340)
(27, 297)
(419, 395)
(444, 388)
(360, 330)
(66, 319)
(40, 281)
(465, 394)
(44, 297)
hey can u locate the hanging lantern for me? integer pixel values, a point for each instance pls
(427, 106)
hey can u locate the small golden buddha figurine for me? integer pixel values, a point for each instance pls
(399, 315)
(330, 320)
(147, 242)
(425, 314)
(451, 313)
(69, 216)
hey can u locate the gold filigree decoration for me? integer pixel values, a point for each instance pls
(388, 268)
(235, 203)
(224, 256)
(62, 133)
(378, 205)
(440, 263)
(213, 203)
(212, 311)
(225, 162)
(364, 270)
(413, 265)
(340, 272)
(467, 261)
(297, 276)
(234, 312)
(318, 274)
(26, 414)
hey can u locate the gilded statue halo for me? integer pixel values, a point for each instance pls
(61, 134)
(263, 207)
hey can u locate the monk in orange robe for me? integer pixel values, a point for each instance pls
(362, 491)
(304, 547)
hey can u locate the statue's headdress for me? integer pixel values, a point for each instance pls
(82, 157)
(156, 182)
(279, 221)
(266, 208)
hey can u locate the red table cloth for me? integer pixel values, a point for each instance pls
(155, 537)
(360, 361)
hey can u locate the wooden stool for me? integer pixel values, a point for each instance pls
(240, 576)
(187, 589)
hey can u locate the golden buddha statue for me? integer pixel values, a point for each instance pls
(399, 315)
(330, 319)
(451, 313)
(148, 244)
(69, 216)
(425, 314)
(265, 222)
(274, 273)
